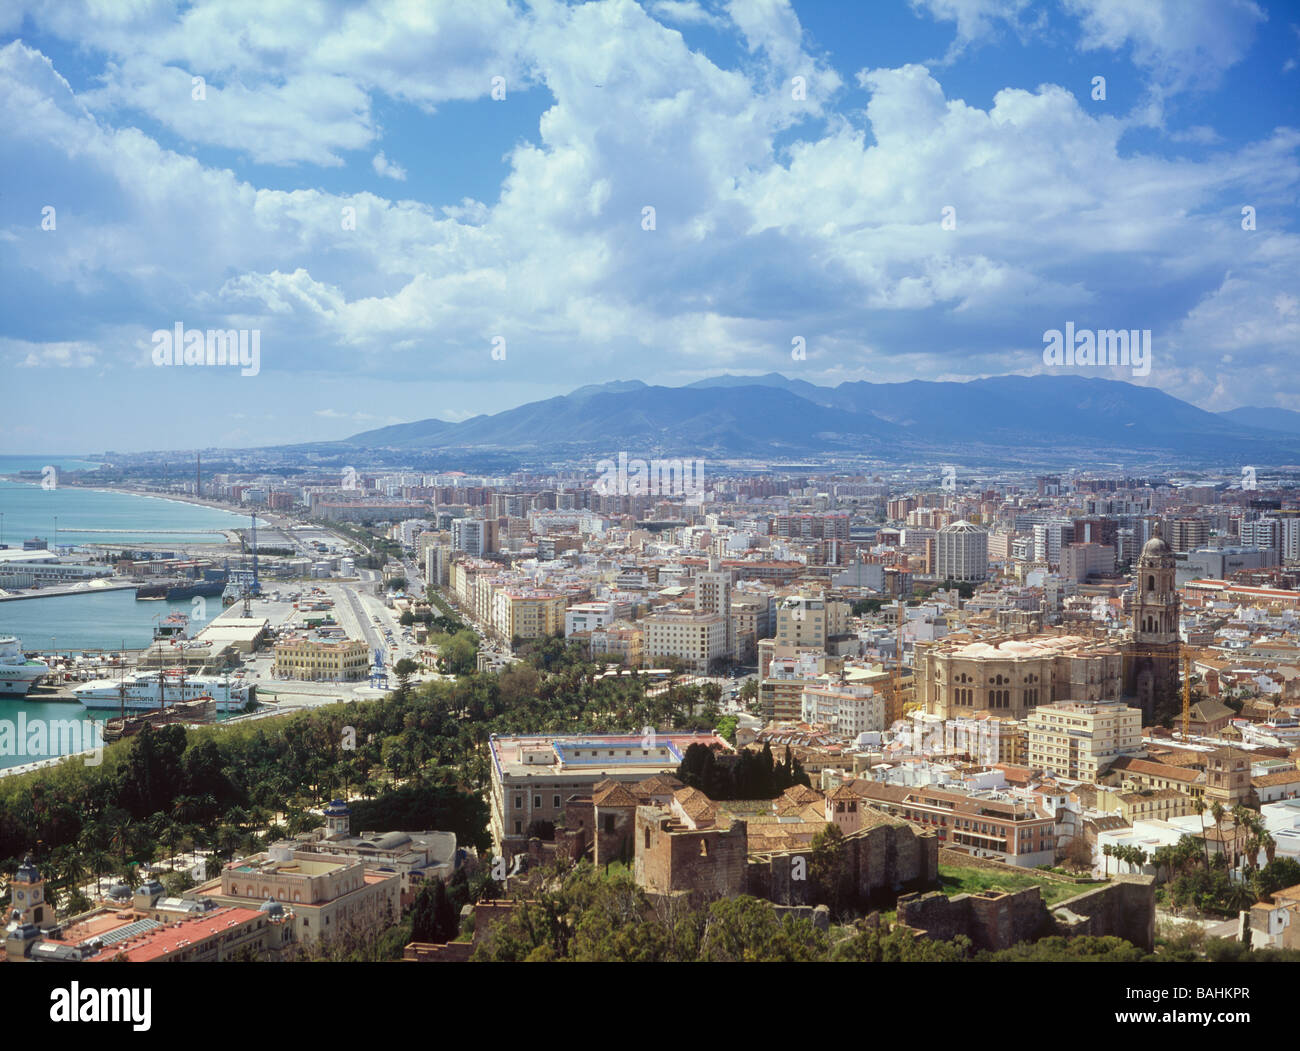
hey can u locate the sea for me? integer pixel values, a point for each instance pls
(72, 515)
(108, 620)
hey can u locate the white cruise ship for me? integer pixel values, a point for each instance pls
(17, 673)
(148, 691)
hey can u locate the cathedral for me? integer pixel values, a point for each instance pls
(1151, 661)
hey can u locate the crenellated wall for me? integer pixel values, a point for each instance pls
(1124, 908)
(882, 860)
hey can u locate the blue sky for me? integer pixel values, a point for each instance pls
(798, 157)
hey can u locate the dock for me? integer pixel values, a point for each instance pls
(57, 590)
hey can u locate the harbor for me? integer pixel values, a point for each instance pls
(169, 611)
(57, 591)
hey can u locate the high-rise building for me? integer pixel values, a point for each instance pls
(1097, 530)
(713, 595)
(897, 509)
(1081, 561)
(1290, 538)
(825, 526)
(1187, 534)
(1263, 532)
(1049, 540)
(437, 562)
(962, 552)
(474, 536)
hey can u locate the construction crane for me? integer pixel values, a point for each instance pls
(898, 661)
(256, 586)
(1185, 657)
(1179, 652)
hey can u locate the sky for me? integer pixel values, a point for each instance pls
(440, 209)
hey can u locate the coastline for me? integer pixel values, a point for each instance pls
(175, 498)
(181, 498)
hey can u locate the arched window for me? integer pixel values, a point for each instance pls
(1151, 582)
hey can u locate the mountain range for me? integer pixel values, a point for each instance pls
(1001, 418)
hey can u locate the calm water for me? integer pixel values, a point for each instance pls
(92, 622)
(14, 754)
(104, 621)
(30, 511)
(80, 622)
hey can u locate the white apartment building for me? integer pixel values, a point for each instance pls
(1049, 538)
(471, 535)
(409, 529)
(1290, 543)
(713, 595)
(849, 710)
(1078, 739)
(588, 616)
(693, 637)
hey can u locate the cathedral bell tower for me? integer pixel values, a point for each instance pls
(1152, 677)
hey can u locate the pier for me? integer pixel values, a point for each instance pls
(151, 532)
(70, 589)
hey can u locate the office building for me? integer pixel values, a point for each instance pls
(962, 552)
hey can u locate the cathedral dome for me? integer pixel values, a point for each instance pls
(1155, 548)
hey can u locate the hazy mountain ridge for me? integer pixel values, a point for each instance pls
(1285, 421)
(772, 414)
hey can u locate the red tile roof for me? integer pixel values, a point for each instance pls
(166, 940)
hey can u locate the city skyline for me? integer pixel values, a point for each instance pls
(923, 194)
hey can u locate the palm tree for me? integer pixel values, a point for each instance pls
(1205, 843)
(1242, 819)
(122, 829)
(1108, 852)
(99, 861)
(1269, 844)
(1163, 858)
(155, 827)
(1217, 812)
(1240, 897)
